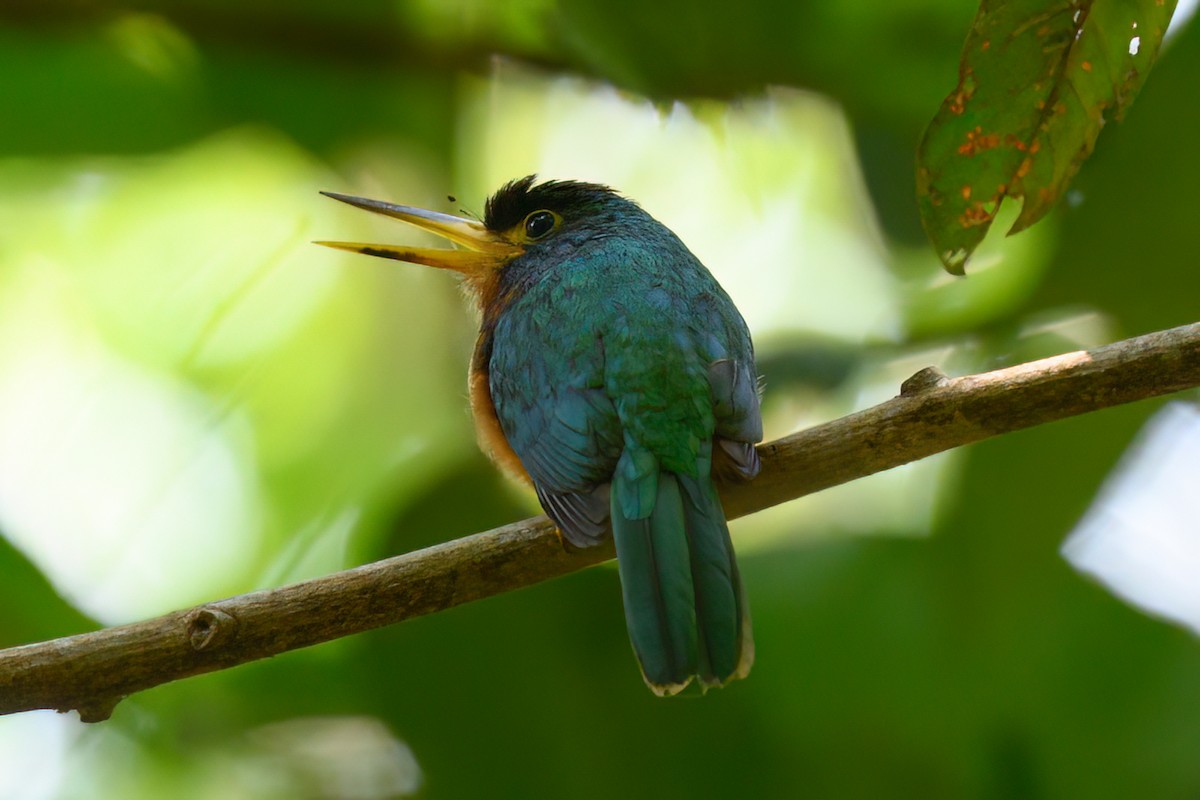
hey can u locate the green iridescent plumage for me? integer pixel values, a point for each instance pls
(615, 374)
(613, 367)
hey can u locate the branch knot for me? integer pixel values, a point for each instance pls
(208, 626)
(923, 381)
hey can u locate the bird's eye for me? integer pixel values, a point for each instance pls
(539, 223)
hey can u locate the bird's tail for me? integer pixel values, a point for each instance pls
(684, 604)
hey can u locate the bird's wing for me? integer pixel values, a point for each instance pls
(736, 409)
(734, 386)
(560, 423)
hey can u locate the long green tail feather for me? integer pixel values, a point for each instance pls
(684, 605)
(656, 583)
(721, 608)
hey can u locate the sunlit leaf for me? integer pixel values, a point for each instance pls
(1037, 81)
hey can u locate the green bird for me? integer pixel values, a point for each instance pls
(614, 374)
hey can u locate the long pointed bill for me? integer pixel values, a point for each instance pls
(485, 249)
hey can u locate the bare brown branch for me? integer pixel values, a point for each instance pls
(92, 672)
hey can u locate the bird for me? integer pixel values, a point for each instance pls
(613, 374)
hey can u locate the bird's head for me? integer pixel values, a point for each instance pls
(524, 224)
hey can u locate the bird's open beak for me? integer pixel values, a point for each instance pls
(485, 249)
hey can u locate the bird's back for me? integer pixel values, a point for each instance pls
(618, 340)
(612, 375)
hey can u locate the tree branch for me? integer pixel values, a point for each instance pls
(92, 672)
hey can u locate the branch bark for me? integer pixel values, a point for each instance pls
(92, 672)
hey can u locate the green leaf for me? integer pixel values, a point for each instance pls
(1037, 81)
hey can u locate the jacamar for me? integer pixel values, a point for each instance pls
(615, 375)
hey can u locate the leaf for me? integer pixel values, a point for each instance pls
(1037, 81)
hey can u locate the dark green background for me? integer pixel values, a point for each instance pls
(972, 663)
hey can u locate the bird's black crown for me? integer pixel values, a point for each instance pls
(517, 199)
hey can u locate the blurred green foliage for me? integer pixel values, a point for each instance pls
(1036, 85)
(194, 401)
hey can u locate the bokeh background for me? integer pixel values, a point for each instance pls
(197, 402)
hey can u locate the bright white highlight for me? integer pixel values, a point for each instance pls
(1140, 537)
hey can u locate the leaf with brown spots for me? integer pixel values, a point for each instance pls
(1037, 81)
